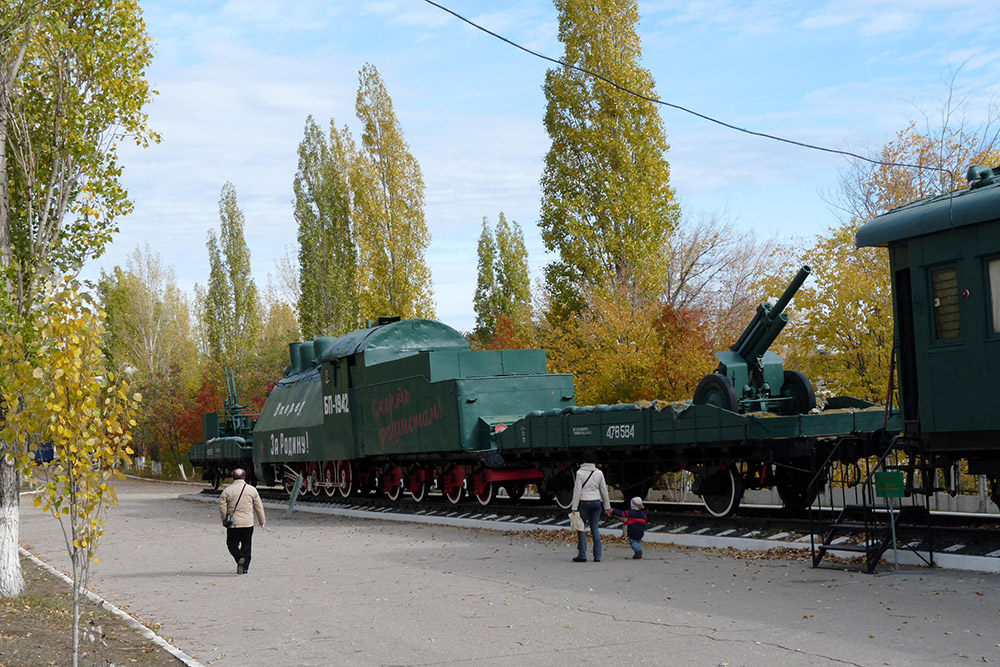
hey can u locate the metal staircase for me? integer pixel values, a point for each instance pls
(872, 524)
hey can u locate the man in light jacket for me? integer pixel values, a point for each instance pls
(243, 502)
(590, 494)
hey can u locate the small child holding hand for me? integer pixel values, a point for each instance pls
(635, 524)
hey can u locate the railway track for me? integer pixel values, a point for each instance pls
(973, 535)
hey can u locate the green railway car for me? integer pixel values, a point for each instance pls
(944, 258)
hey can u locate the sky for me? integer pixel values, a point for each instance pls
(236, 81)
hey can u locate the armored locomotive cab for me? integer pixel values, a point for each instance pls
(944, 254)
(361, 413)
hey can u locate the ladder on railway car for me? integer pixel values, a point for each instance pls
(871, 524)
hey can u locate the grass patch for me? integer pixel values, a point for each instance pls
(36, 629)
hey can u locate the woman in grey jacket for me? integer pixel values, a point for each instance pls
(590, 497)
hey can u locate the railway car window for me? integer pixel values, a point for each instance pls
(944, 286)
(994, 274)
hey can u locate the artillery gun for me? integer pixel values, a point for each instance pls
(750, 377)
(227, 439)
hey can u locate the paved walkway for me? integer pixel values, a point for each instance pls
(329, 590)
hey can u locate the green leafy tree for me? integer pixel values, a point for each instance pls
(61, 392)
(389, 226)
(149, 339)
(607, 205)
(484, 301)
(231, 305)
(328, 303)
(72, 87)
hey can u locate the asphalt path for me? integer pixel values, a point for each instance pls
(334, 590)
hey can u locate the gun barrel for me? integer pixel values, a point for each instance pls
(790, 291)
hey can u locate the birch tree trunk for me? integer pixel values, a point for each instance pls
(11, 579)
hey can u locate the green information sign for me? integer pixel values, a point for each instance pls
(889, 485)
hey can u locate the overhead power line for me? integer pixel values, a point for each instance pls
(678, 107)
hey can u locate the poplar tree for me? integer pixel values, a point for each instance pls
(513, 279)
(390, 230)
(231, 312)
(484, 301)
(327, 303)
(607, 206)
(503, 287)
(72, 86)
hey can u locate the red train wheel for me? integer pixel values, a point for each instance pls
(485, 497)
(329, 479)
(314, 478)
(346, 471)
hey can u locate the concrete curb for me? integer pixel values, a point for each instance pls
(143, 630)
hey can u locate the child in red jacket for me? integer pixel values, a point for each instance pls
(635, 524)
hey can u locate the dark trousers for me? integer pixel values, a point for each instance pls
(239, 541)
(590, 512)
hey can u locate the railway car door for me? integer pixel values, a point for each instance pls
(906, 353)
(952, 353)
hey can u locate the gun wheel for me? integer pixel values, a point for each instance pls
(716, 389)
(799, 388)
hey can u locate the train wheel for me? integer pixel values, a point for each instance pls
(346, 471)
(369, 484)
(514, 490)
(716, 389)
(314, 480)
(394, 492)
(724, 494)
(289, 482)
(563, 498)
(485, 497)
(795, 494)
(418, 492)
(455, 497)
(328, 479)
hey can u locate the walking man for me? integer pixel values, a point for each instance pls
(243, 502)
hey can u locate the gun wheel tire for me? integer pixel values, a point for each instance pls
(725, 497)
(716, 389)
(800, 390)
(216, 480)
